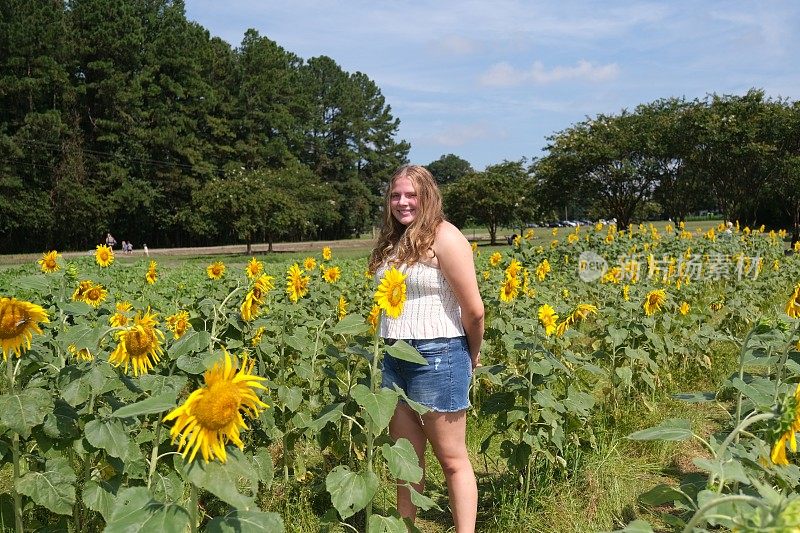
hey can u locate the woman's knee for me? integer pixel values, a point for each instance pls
(454, 461)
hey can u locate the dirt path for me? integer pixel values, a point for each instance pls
(257, 248)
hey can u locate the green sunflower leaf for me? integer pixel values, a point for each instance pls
(135, 510)
(108, 435)
(378, 408)
(405, 352)
(239, 521)
(154, 404)
(23, 411)
(403, 461)
(53, 488)
(350, 492)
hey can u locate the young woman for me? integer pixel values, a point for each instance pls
(443, 319)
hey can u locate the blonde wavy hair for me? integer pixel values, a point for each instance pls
(409, 244)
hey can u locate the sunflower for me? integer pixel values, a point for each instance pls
(83, 288)
(626, 292)
(790, 424)
(513, 269)
(296, 283)
(309, 264)
(212, 415)
(178, 324)
(578, 314)
(251, 307)
(48, 262)
(104, 255)
(216, 270)
(391, 293)
(495, 259)
(256, 340)
(474, 246)
(583, 311)
(254, 268)
(548, 318)
(95, 295)
(151, 275)
(374, 317)
(793, 305)
(509, 289)
(139, 345)
(81, 355)
(119, 319)
(654, 300)
(614, 275)
(332, 274)
(542, 270)
(684, 308)
(341, 307)
(326, 253)
(18, 321)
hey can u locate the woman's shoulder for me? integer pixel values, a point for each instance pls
(448, 236)
(447, 230)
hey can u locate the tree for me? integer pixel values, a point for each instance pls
(604, 160)
(501, 195)
(449, 168)
(734, 150)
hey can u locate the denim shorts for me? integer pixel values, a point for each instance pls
(442, 385)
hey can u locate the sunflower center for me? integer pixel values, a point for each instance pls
(13, 322)
(138, 342)
(93, 294)
(218, 407)
(395, 295)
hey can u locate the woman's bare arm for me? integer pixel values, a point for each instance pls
(455, 259)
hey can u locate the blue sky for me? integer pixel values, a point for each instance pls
(490, 80)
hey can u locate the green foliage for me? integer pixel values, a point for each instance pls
(449, 168)
(138, 116)
(501, 195)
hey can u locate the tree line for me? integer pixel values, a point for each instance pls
(738, 155)
(124, 116)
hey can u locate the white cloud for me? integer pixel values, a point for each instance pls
(505, 75)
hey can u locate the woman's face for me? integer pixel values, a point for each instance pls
(403, 201)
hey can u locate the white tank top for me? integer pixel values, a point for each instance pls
(431, 309)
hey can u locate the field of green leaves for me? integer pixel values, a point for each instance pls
(244, 395)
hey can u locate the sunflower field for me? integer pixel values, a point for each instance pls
(215, 396)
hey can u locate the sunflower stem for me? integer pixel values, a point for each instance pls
(700, 513)
(154, 454)
(15, 457)
(193, 507)
(370, 435)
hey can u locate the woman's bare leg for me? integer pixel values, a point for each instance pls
(447, 434)
(406, 424)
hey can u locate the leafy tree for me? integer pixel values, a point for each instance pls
(734, 150)
(498, 196)
(449, 168)
(604, 160)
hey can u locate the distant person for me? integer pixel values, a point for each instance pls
(146, 251)
(111, 242)
(124, 247)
